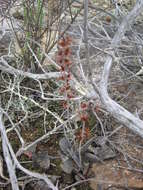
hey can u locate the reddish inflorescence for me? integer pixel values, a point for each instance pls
(83, 112)
(84, 105)
(84, 117)
(65, 104)
(83, 134)
(64, 59)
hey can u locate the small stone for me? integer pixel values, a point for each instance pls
(39, 185)
(67, 166)
(65, 146)
(54, 178)
(99, 153)
(105, 153)
(41, 160)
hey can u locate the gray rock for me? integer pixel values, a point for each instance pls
(67, 166)
(99, 154)
(105, 152)
(41, 160)
(90, 157)
(39, 185)
(54, 178)
(65, 146)
(98, 150)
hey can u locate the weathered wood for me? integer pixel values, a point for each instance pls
(120, 113)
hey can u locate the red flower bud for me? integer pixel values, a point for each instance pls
(69, 76)
(67, 87)
(69, 95)
(64, 104)
(67, 61)
(84, 117)
(62, 90)
(87, 132)
(67, 51)
(83, 105)
(62, 43)
(62, 68)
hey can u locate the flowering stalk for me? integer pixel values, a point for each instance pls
(64, 57)
(64, 60)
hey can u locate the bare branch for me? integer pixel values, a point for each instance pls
(13, 71)
(115, 109)
(7, 157)
(10, 167)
